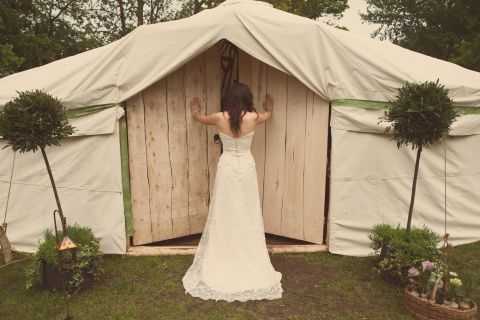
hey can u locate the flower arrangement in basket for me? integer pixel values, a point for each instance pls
(434, 291)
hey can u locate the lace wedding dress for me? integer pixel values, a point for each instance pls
(232, 261)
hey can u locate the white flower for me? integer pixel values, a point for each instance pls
(455, 282)
(413, 272)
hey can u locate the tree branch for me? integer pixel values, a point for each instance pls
(140, 7)
(122, 17)
(62, 10)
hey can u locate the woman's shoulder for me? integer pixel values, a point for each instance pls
(251, 115)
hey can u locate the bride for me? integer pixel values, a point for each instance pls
(232, 261)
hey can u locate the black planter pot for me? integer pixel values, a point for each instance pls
(385, 251)
(53, 279)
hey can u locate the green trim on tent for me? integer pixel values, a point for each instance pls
(467, 110)
(85, 111)
(127, 199)
(364, 104)
(123, 140)
(381, 105)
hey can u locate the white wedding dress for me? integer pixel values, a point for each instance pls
(232, 261)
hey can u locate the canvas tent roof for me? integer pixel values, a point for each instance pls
(335, 64)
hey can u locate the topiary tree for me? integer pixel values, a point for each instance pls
(420, 116)
(33, 121)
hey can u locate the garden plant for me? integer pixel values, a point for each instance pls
(399, 250)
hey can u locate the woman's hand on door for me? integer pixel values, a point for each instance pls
(268, 103)
(195, 105)
(268, 107)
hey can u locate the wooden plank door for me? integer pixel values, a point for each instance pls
(172, 157)
(290, 151)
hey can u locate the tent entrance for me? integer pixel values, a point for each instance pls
(172, 159)
(188, 245)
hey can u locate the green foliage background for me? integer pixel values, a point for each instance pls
(36, 32)
(449, 30)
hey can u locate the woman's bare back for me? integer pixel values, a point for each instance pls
(248, 124)
(221, 119)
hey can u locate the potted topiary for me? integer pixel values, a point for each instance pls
(420, 116)
(33, 121)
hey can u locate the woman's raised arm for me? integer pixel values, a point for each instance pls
(210, 119)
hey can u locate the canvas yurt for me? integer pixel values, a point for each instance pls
(138, 170)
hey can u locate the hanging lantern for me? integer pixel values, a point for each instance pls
(67, 244)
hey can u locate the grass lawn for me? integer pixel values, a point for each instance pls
(317, 286)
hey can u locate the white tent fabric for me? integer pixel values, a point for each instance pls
(333, 63)
(364, 120)
(371, 181)
(87, 171)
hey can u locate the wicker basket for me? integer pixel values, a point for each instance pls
(423, 309)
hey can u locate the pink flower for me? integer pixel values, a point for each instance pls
(427, 265)
(413, 272)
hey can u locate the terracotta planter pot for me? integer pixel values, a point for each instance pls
(423, 309)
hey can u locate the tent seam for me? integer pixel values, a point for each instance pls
(59, 187)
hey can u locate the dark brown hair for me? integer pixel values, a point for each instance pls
(237, 101)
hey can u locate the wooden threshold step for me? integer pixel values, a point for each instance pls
(186, 250)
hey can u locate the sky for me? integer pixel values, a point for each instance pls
(351, 18)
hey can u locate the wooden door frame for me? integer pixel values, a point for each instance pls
(325, 208)
(327, 177)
